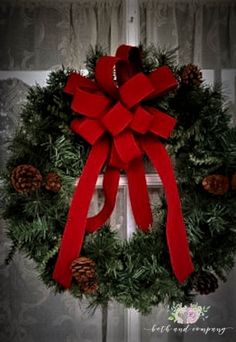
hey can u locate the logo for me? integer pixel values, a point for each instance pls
(188, 314)
(186, 317)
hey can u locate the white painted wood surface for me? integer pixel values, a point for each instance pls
(132, 22)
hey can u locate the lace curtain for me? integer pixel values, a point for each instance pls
(40, 35)
(203, 30)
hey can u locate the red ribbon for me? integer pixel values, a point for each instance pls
(121, 128)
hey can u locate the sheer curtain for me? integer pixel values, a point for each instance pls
(39, 35)
(203, 30)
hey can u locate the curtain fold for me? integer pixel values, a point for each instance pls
(203, 30)
(39, 35)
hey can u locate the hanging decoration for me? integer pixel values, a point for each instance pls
(26, 178)
(84, 271)
(191, 75)
(129, 109)
(216, 184)
(52, 182)
(121, 129)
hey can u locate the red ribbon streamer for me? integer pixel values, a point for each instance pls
(121, 129)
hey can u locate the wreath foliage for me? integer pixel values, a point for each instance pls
(136, 272)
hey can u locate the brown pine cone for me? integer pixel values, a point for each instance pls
(204, 282)
(191, 75)
(26, 178)
(89, 287)
(216, 184)
(83, 270)
(52, 182)
(233, 182)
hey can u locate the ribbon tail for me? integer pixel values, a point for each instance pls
(175, 229)
(138, 194)
(110, 188)
(73, 236)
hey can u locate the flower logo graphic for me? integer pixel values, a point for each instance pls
(188, 314)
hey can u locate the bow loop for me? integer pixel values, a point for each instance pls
(127, 147)
(104, 73)
(135, 90)
(163, 81)
(90, 130)
(162, 124)
(142, 120)
(92, 105)
(76, 81)
(131, 54)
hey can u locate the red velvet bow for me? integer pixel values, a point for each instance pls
(121, 128)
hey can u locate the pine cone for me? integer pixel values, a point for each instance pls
(52, 182)
(83, 270)
(233, 182)
(26, 178)
(89, 287)
(216, 184)
(204, 282)
(191, 75)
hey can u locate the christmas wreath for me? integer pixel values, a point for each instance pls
(126, 108)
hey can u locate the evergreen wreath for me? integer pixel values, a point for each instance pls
(47, 157)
